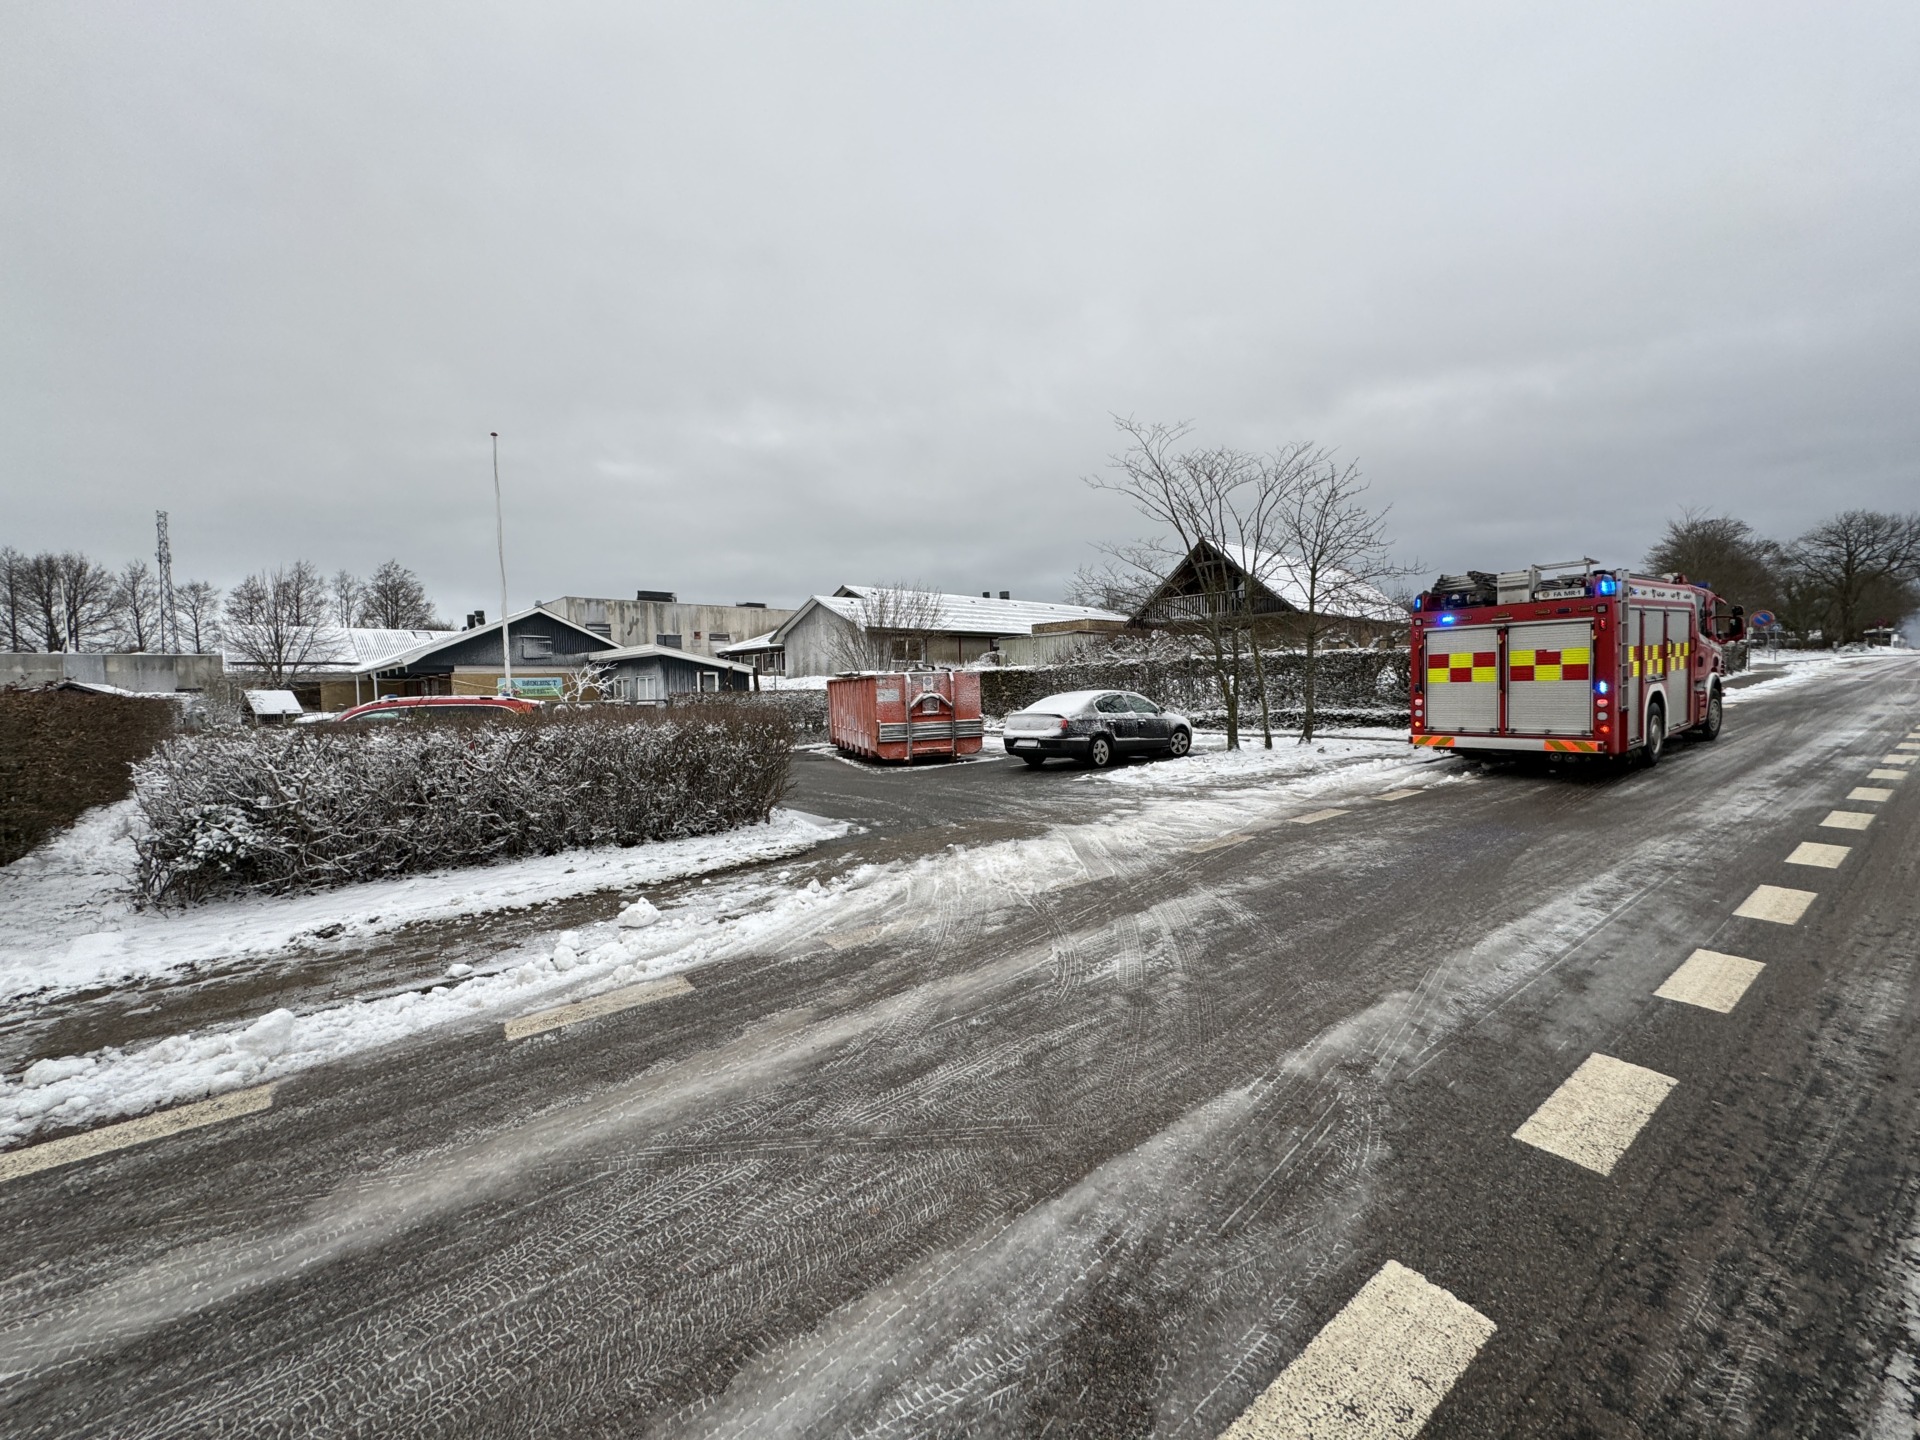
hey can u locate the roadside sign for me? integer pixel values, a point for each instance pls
(1761, 619)
(534, 687)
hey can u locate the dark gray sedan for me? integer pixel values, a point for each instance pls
(1096, 727)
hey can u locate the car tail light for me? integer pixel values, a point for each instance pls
(1065, 724)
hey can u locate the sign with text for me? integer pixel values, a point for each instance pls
(534, 687)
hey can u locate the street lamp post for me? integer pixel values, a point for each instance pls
(500, 542)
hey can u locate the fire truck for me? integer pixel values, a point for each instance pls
(1569, 659)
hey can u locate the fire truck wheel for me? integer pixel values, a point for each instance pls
(1709, 728)
(1656, 745)
(1100, 752)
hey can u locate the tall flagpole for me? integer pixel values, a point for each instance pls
(500, 540)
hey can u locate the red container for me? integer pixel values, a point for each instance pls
(925, 714)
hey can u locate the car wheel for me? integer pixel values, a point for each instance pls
(1100, 752)
(1656, 744)
(1709, 728)
(1179, 743)
(1034, 762)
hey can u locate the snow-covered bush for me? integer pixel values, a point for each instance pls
(278, 810)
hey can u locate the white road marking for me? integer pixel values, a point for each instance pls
(1900, 759)
(70, 1148)
(1396, 794)
(1219, 842)
(1377, 1370)
(1908, 745)
(1824, 857)
(847, 939)
(1886, 774)
(1711, 980)
(1869, 792)
(1316, 817)
(1776, 903)
(1847, 820)
(1594, 1116)
(610, 1003)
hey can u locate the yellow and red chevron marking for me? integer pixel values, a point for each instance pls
(1464, 669)
(1572, 747)
(1574, 663)
(1443, 741)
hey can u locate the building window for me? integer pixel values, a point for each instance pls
(720, 637)
(536, 647)
(671, 641)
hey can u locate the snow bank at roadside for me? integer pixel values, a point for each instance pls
(67, 919)
(1212, 764)
(1791, 669)
(772, 915)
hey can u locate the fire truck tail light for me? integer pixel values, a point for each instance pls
(1606, 729)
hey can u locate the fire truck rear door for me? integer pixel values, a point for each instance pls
(1463, 680)
(1550, 678)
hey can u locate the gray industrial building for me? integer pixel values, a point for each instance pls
(659, 617)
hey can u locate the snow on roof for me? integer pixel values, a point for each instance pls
(758, 642)
(272, 702)
(344, 647)
(641, 652)
(951, 614)
(1341, 592)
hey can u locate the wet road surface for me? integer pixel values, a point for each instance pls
(1095, 1129)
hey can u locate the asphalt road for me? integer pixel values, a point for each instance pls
(1104, 1154)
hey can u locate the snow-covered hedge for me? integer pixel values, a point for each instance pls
(279, 810)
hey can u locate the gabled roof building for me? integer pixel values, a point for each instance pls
(865, 626)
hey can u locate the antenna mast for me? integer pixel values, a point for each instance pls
(163, 557)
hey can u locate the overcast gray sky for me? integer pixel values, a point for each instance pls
(766, 298)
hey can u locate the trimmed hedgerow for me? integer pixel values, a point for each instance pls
(281, 810)
(62, 751)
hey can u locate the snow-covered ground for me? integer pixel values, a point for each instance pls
(67, 919)
(78, 882)
(1784, 670)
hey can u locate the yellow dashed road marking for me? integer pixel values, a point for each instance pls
(1824, 857)
(1595, 1115)
(1219, 842)
(1375, 1371)
(1711, 980)
(70, 1148)
(610, 1003)
(1776, 903)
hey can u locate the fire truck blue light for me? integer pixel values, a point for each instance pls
(1600, 687)
(1446, 619)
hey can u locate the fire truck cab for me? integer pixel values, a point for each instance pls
(1568, 659)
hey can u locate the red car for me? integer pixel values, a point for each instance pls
(396, 707)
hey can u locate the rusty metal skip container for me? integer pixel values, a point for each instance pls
(918, 715)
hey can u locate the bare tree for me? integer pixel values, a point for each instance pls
(67, 600)
(1741, 566)
(272, 622)
(1192, 494)
(136, 608)
(196, 609)
(890, 627)
(1860, 562)
(14, 617)
(394, 599)
(347, 594)
(1334, 548)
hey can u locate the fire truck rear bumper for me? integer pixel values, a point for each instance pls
(1511, 742)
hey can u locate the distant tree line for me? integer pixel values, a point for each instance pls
(273, 619)
(1857, 571)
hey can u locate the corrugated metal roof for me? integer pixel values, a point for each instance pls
(340, 647)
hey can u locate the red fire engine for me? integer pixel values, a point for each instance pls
(1568, 659)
